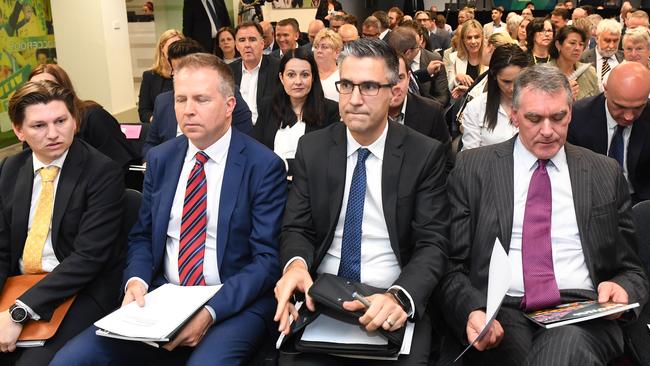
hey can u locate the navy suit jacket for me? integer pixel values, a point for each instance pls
(164, 124)
(253, 196)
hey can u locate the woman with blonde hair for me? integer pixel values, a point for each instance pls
(636, 46)
(327, 46)
(157, 79)
(464, 65)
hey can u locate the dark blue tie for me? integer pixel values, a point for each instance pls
(350, 266)
(616, 148)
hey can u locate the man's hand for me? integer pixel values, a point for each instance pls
(611, 291)
(384, 311)
(475, 323)
(434, 66)
(192, 332)
(295, 278)
(135, 290)
(9, 332)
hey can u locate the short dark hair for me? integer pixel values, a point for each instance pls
(382, 16)
(535, 26)
(289, 21)
(562, 35)
(255, 25)
(206, 60)
(374, 48)
(182, 48)
(403, 39)
(40, 92)
(561, 12)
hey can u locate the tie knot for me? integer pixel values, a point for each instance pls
(201, 157)
(619, 128)
(541, 164)
(363, 154)
(48, 173)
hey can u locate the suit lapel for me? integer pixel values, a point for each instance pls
(336, 166)
(503, 183)
(70, 173)
(390, 173)
(21, 205)
(581, 190)
(638, 138)
(232, 179)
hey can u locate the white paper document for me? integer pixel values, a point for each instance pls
(498, 284)
(166, 308)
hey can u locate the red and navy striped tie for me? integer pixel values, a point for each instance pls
(193, 226)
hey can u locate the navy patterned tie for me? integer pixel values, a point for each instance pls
(616, 147)
(350, 266)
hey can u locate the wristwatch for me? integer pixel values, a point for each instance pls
(18, 314)
(401, 297)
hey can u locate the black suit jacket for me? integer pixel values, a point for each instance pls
(152, 85)
(86, 228)
(438, 40)
(267, 80)
(436, 87)
(267, 125)
(196, 21)
(481, 194)
(588, 129)
(413, 195)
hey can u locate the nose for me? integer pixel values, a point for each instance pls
(628, 116)
(355, 96)
(545, 128)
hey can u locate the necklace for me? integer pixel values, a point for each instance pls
(535, 58)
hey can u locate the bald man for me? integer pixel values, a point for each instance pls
(348, 33)
(314, 27)
(604, 123)
(269, 37)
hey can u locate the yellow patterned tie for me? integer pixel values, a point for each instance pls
(33, 251)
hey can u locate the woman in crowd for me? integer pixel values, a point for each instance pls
(464, 65)
(298, 106)
(486, 120)
(491, 44)
(539, 36)
(636, 46)
(327, 46)
(567, 49)
(326, 8)
(513, 25)
(96, 126)
(226, 45)
(521, 33)
(157, 79)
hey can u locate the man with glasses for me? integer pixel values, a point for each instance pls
(368, 204)
(436, 39)
(255, 74)
(371, 27)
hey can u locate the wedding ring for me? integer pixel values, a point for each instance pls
(390, 322)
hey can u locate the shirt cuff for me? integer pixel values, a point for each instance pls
(212, 313)
(32, 314)
(146, 287)
(292, 260)
(412, 312)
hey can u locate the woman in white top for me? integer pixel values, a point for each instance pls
(327, 46)
(464, 65)
(486, 120)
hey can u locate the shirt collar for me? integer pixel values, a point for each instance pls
(256, 68)
(611, 122)
(528, 161)
(382, 34)
(376, 148)
(58, 162)
(217, 152)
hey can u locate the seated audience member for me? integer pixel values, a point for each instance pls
(637, 19)
(617, 123)
(287, 32)
(336, 22)
(240, 197)
(296, 108)
(62, 205)
(269, 37)
(96, 126)
(314, 27)
(559, 18)
(326, 9)
(370, 27)
(636, 46)
(348, 33)
(441, 23)
(436, 39)
(395, 16)
(513, 25)
(605, 56)
(486, 118)
(165, 126)
(531, 193)
(465, 64)
(539, 37)
(158, 79)
(521, 33)
(527, 13)
(384, 28)
(327, 47)
(225, 48)
(567, 48)
(255, 74)
(397, 187)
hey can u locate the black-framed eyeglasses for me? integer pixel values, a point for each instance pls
(367, 88)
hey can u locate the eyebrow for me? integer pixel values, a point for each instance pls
(556, 115)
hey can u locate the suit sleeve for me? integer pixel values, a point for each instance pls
(187, 18)
(5, 239)
(439, 90)
(102, 131)
(242, 118)
(155, 136)
(145, 102)
(99, 229)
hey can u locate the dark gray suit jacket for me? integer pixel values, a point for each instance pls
(589, 56)
(481, 197)
(267, 80)
(437, 87)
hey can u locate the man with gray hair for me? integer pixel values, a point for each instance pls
(606, 55)
(377, 214)
(563, 215)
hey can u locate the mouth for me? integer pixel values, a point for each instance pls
(54, 145)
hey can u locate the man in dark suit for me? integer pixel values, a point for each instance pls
(164, 125)
(218, 195)
(255, 74)
(202, 19)
(367, 186)
(606, 55)
(562, 213)
(61, 214)
(287, 32)
(617, 123)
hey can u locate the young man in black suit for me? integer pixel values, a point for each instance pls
(61, 214)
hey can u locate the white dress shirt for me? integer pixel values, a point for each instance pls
(286, 141)
(248, 88)
(415, 64)
(475, 131)
(568, 258)
(611, 129)
(329, 88)
(48, 259)
(613, 62)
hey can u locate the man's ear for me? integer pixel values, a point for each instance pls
(18, 131)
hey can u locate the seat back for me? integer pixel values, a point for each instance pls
(641, 213)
